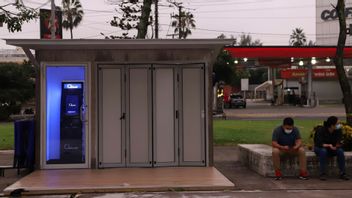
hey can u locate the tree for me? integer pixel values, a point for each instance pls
(298, 37)
(72, 14)
(258, 75)
(144, 19)
(224, 68)
(187, 23)
(132, 17)
(15, 19)
(16, 87)
(247, 40)
(338, 60)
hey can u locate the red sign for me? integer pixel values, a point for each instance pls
(45, 24)
(299, 73)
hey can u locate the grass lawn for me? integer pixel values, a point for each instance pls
(6, 135)
(232, 132)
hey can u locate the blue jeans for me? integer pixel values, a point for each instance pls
(324, 153)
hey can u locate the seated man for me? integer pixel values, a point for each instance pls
(327, 143)
(286, 140)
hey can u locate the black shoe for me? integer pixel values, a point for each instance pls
(322, 177)
(344, 177)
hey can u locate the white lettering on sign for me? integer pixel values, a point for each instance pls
(69, 147)
(72, 86)
(71, 105)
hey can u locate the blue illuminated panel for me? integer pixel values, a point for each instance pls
(72, 86)
(55, 75)
(72, 108)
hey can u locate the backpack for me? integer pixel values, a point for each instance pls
(315, 130)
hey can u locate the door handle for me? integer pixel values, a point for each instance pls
(82, 113)
(123, 116)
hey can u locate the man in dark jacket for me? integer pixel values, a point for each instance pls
(327, 143)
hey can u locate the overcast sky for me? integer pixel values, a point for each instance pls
(271, 21)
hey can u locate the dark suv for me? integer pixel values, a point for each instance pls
(237, 100)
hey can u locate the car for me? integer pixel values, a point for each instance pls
(237, 100)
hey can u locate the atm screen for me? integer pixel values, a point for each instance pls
(72, 105)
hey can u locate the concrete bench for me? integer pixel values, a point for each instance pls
(258, 157)
(3, 168)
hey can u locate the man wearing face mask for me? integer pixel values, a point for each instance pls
(287, 140)
(327, 143)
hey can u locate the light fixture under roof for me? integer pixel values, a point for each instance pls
(328, 60)
(313, 61)
(236, 61)
(300, 63)
(245, 59)
(292, 59)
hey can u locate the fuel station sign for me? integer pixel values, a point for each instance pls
(317, 73)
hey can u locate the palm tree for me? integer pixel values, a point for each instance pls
(187, 23)
(72, 14)
(298, 37)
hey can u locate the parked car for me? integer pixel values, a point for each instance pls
(237, 100)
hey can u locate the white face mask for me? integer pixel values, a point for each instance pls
(338, 126)
(288, 131)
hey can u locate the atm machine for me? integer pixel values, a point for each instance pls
(71, 124)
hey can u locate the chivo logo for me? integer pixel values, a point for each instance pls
(69, 147)
(73, 86)
(332, 14)
(72, 105)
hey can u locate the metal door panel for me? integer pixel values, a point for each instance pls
(192, 119)
(164, 118)
(139, 139)
(111, 136)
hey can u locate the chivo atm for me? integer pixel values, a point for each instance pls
(71, 127)
(65, 115)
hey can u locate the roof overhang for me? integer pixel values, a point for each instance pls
(110, 44)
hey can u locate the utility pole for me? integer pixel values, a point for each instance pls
(179, 21)
(156, 19)
(52, 19)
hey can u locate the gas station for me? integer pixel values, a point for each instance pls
(308, 69)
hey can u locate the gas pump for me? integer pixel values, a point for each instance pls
(71, 126)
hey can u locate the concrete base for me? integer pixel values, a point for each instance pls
(47, 182)
(258, 157)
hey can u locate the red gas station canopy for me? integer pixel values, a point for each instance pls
(284, 52)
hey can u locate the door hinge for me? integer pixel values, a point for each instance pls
(125, 77)
(178, 77)
(125, 153)
(178, 152)
(176, 114)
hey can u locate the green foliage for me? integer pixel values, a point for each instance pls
(247, 40)
(16, 87)
(258, 75)
(72, 14)
(6, 135)
(224, 68)
(15, 19)
(127, 20)
(298, 37)
(232, 132)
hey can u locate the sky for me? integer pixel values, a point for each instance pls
(271, 21)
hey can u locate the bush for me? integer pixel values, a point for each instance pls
(346, 137)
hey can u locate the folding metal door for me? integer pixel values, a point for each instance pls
(111, 117)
